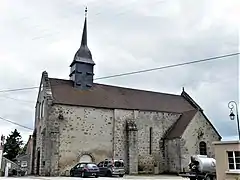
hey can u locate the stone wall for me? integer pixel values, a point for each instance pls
(198, 130)
(39, 139)
(132, 137)
(120, 145)
(82, 130)
(74, 130)
(29, 153)
(43, 128)
(179, 150)
(173, 155)
(158, 121)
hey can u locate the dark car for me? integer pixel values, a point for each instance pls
(85, 170)
(111, 168)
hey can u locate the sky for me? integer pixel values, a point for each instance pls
(123, 36)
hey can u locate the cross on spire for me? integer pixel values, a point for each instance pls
(86, 12)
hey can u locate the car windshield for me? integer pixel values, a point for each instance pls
(118, 164)
(92, 166)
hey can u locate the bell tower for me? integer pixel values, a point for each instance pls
(82, 66)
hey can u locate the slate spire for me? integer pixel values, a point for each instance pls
(83, 54)
(81, 72)
(84, 34)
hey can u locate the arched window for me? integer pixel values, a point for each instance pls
(42, 110)
(203, 148)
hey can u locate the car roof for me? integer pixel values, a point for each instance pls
(115, 160)
(86, 163)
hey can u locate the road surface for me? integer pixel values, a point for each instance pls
(100, 178)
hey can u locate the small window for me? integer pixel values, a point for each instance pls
(24, 164)
(41, 87)
(105, 163)
(234, 160)
(39, 110)
(118, 164)
(42, 109)
(203, 148)
(91, 166)
(150, 140)
(82, 165)
(89, 73)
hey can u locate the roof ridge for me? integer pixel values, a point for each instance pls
(188, 98)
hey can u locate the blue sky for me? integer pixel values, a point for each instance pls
(123, 36)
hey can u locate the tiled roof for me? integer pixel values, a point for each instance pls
(113, 97)
(181, 124)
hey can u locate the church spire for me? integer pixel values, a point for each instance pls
(83, 54)
(84, 34)
(81, 72)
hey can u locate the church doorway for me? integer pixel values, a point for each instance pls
(85, 158)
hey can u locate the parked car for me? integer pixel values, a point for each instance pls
(111, 168)
(85, 170)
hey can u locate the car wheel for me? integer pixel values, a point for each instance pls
(208, 178)
(71, 174)
(121, 175)
(83, 174)
(97, 176)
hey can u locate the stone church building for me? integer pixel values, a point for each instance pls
(78, 119)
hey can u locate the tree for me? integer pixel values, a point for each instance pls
(12, 146)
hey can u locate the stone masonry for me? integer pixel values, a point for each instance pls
(83, 130)
(198, 130)
(64, 133)
(179, 150)
(71, 130)
(132, 138)
(93, 130)
(42, 136)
